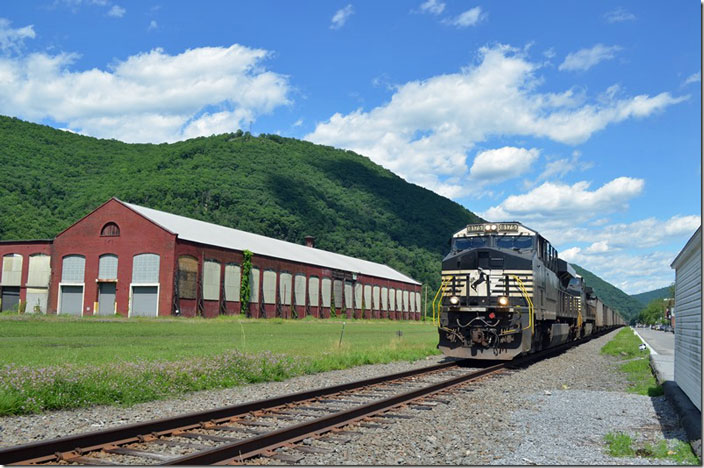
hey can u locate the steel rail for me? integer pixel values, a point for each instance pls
(130, 433)
(247, 448)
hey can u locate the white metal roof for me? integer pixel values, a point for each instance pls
(213, 234)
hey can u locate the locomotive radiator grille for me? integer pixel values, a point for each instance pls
(491, 283)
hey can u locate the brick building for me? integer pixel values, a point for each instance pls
(135, 261)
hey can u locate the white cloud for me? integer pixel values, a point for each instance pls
(503, 163)
(427, 128)
(12, 40)
(556, 201)
(598, 247)
(341, 16)
(693, 78)
(152, 25)
(468, 18)
(149, 97)
(619, 15)
(433, 7)
(561, 167)
(584, 59)
(117, 11)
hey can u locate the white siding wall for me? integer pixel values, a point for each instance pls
(688, 321)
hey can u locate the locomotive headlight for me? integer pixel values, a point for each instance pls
(503, 301)
(454, 300)
(487, 227)
(493, 227)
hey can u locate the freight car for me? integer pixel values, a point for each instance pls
(505, 292)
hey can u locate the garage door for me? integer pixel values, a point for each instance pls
(144, 301)
(10, 297)
(71, 300)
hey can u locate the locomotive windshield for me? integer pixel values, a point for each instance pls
(514, 242)
(464, 243)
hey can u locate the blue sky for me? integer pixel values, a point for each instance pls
(580, 119)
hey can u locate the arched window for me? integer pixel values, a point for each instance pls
(11, 270)
(110, 230)
(211, 280)
(107, 267)
(73, 269)
(187, 277)
(145, 268)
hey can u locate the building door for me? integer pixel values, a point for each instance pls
(144, 301)
(10, 297)
(36, 300)
(71, 300)
(106, 298)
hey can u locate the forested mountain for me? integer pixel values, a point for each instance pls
(645, 297)
(611, 295)
(278, 187)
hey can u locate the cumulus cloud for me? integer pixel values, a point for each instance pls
(12, 39)
(149, 97)
(434, 7)
(426, 130)
(561, 167)
(556, 201)
(503, 163)
(117, 11)
(468, 18)
(584, 59)
(341, 16)
(619, 15)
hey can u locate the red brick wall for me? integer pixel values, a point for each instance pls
(137, 235)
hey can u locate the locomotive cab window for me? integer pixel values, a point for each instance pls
(514, 242)
(464, 243)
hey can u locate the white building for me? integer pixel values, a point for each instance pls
(688, 323)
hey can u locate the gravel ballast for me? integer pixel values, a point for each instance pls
(554, 412)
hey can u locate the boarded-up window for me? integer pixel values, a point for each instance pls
(384, 298)
(254, 285)
(232, 282)
(392, 300)
(367, 297)
(145, 269)
(211, 280)
(110, 230)
(375, 295)
(313, 290)
(187, 277)
(107, 267)
(412, 298)
(73, 269)
(11, 270)
(399, 300)
(337, 289)
(418, 302)
(269, 287)
(285, 288)
(405, 301)
(326, 286)
(358, 296)
(39, 271)
(299, 289)
(348, 295)
(36, 300)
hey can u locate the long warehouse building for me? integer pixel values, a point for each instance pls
(135, 261)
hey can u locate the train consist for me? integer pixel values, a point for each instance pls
(505, 292)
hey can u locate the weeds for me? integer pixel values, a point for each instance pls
(625, 346)
(621, 445)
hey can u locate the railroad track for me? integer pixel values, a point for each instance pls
(234, 434)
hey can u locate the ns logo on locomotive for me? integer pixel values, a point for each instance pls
(505, 292)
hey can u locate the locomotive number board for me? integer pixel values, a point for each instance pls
(499, 227)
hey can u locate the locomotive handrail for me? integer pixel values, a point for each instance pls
(442, 285)
(531, 310)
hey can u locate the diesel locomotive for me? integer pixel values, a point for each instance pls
(505, 292)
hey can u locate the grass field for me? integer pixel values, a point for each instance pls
(59, 362)
(636, 362)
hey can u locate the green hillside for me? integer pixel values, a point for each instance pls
(611, 295)
(278, 187)
(645, 297)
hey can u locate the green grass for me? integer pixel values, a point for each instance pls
(58, 362)
(637, 368)
(621, 445)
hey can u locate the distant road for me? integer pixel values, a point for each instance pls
(660, 341)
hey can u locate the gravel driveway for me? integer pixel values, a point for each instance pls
(554, 412)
